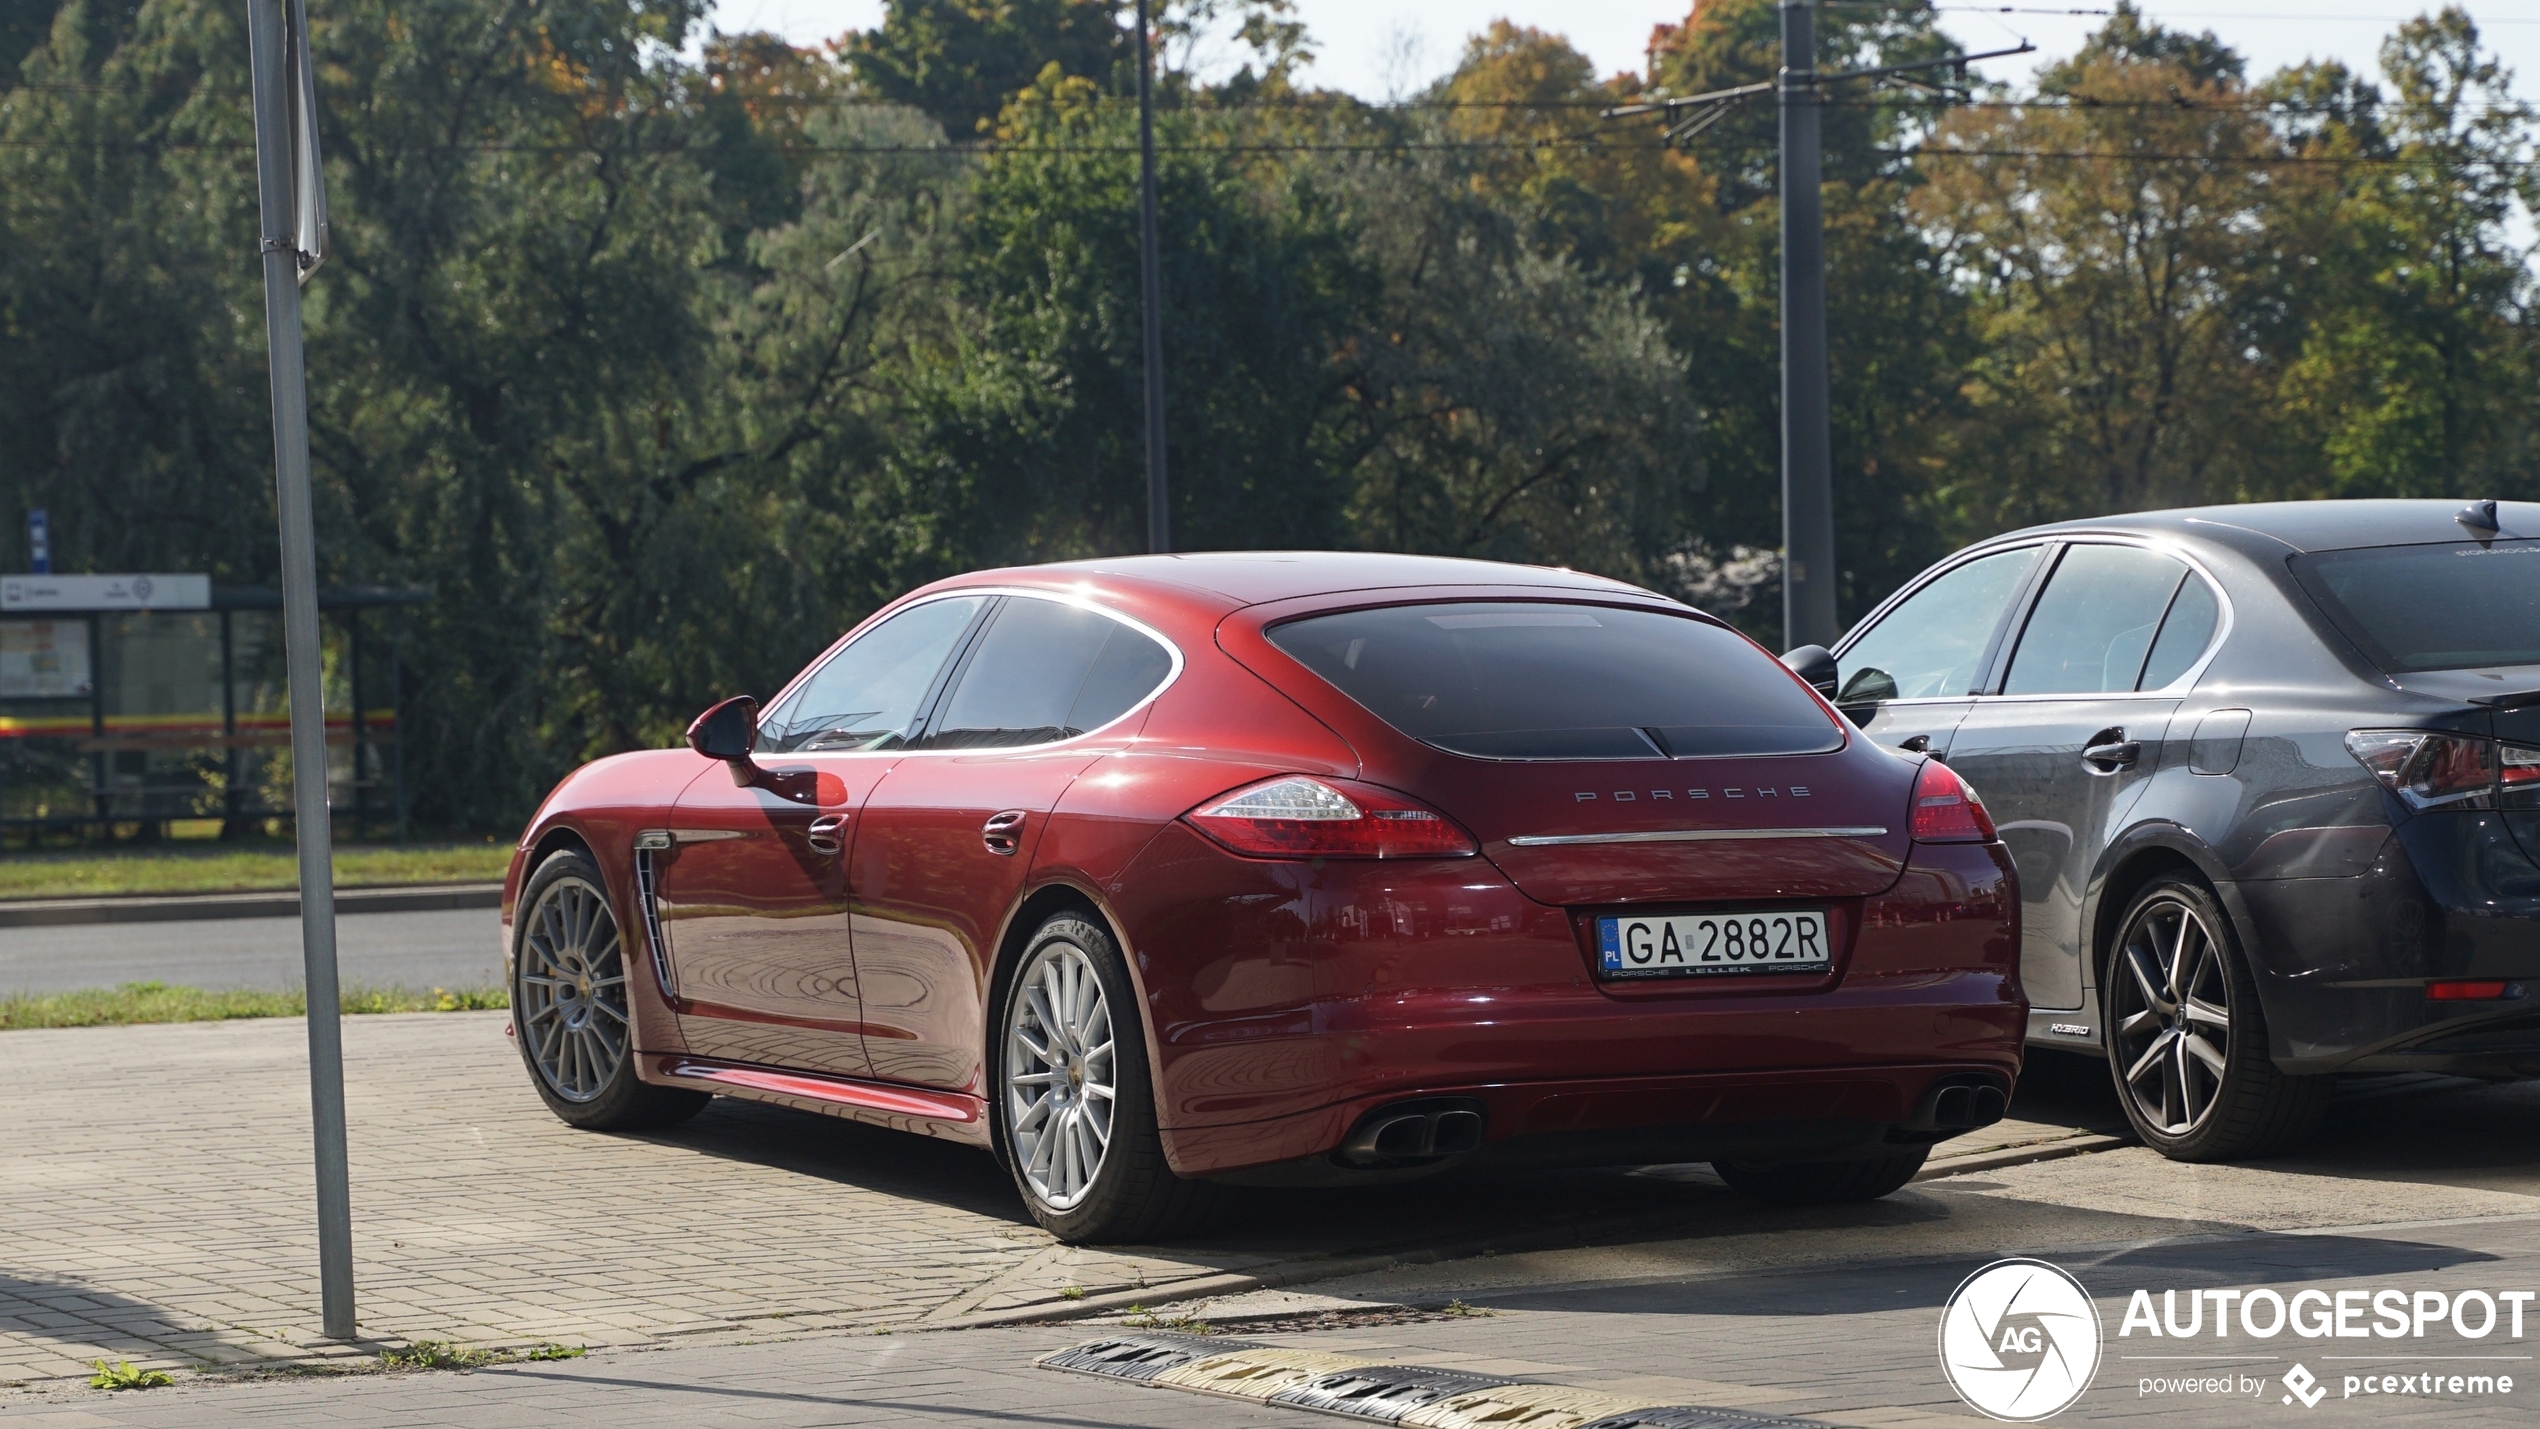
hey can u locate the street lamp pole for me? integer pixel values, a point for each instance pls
(291, 212)
(1808, 559)
(1151, 299)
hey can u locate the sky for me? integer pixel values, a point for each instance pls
(1378, 49)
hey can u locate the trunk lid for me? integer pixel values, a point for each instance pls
(1688, 831)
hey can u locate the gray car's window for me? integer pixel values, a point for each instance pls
(1540, 680)
(867, 696)
(2090, 631)
(2458, 606)
(2185, 632)
(1046, 671)
(1930, 646)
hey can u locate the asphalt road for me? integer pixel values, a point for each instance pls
(452, 948)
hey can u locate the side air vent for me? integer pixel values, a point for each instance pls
(650, 844)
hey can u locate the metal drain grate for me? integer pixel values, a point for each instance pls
(1256, 1372)
(1686, 1416)
(1135, 1357)
(1525, 1406)
(1383, 1393)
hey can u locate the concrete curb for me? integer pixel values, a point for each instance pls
(282, 903)
(2055, 1150)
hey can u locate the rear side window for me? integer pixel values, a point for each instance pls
(1535, 680)
(2462, 606)
(2185, 632)
(1046, 671)
(2091, 631)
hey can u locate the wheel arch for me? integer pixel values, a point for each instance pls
(1034, 908)
(2145, 853)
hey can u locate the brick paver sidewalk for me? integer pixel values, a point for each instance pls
(155, 1204)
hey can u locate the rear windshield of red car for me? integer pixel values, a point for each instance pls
(1537, 680)
(2458, 606)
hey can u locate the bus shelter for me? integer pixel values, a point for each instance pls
(132, 703)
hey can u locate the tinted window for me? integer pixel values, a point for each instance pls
(2089, 632)
(1047, 671)
(867, 696)
(1530, 680)
(1931, 645)
(2453, 607)
(2185, 632)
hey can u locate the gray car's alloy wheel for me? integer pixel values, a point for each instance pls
(569, 1004)
(2186, 1038)
(1073, 1100)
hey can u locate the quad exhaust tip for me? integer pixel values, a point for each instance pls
(1962, 1106)
(1415, 1133)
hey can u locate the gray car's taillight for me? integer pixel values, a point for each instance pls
(2434, 770)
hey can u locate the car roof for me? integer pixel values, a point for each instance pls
(1254, 577)
(2308, 525)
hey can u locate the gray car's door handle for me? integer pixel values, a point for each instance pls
(824, 834)
(2109, 751)
(1003, 833)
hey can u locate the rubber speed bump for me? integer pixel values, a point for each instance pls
(1257, 1372)
(1383, 1393)
(1135, 1357)
(1525, 1406)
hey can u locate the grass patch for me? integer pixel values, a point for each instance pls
(231, 869)
(121, 1375)
(447, 1354)
(160, 1002)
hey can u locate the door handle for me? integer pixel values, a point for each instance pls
(1919, 744)
(2109, 751)
(1003, 833)
(823, 835)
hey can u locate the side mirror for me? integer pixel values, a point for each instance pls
(1815, 664)
(726, 732)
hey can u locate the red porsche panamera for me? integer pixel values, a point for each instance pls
(1161, 872)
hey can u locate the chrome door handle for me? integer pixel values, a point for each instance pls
(2109, 751)
(823, 835)
(1003, 833)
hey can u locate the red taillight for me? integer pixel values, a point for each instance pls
(2480, 991)
(1946, 811)
(1297, 817)
(2439, 770)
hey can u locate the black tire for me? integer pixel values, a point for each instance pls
(1822, 1183)
(566, 932)
(2185, 1038)
(1132, 1196)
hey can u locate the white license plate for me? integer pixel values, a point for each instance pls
(1710, 944)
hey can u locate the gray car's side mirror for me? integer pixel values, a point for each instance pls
(1815, 664)
(726, 732)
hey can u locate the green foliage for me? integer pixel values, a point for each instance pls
(437, 1354)
(661, 371)
(225, 868)
(138, 1002)
(122, 1375)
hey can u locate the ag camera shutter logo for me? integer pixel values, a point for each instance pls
(2019, 1340)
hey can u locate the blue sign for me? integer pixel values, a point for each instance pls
(39, 540)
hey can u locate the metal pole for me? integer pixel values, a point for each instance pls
(1151, 300)
(1808, 559)
(300, 637)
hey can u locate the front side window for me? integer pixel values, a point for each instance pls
(2091, 630)
(1933, 645)
(869, 695)
(1537, 680)
(1045, 671)
(2463, 606)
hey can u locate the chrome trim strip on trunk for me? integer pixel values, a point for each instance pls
(1686, 836)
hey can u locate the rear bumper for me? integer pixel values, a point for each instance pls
(1286, 1002)
(1799, 1115)
(2344, 962)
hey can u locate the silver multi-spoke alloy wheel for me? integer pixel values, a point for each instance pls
(573, 1019)
(2170, 1001)
(1061, 1077)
